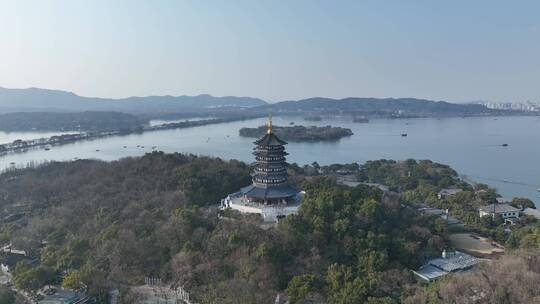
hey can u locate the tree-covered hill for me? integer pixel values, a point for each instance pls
(110, 223)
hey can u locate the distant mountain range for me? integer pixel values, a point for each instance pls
(42, 100)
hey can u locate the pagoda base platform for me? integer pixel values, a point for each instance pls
(269, 212)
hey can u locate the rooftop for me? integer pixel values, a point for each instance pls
(498, 208)
(11, 259)
(270, 192)
(430, 273)
(451, 262)
(449, 191)
(456, 261)
(432, 211)
(62, 296)
(382, 187)
(351, 181)
(270, 139)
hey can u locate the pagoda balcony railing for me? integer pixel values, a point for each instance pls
(268, 170)
(270, 174)
(268, 150)
(274, 175)
(263, 158)
(263, 163)
(270, 185)
(270, 180)
(264, 147)
(258, 152)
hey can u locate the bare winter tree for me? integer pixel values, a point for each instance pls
(512, 279)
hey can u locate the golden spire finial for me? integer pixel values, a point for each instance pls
(269, 131)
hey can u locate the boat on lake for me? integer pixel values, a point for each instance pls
(403, 134)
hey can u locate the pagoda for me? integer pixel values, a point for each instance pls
(270, 193)
(270, 179)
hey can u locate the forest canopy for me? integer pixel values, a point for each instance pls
(102, 224)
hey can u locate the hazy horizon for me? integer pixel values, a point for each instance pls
(459, 51)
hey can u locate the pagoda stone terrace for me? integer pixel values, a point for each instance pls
(269, 212)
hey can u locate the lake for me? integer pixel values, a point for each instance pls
(472, 146)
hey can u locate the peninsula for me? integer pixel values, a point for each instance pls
(58, 140)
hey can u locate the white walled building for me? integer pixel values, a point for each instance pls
(504, 210)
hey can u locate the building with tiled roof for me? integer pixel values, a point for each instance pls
(504, 210)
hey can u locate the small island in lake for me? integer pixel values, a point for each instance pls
(300, 133)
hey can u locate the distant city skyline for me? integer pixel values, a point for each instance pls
(458, 51)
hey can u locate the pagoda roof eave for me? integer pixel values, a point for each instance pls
(270, 139)
(269, 193)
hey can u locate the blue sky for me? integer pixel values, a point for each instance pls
(276, 50)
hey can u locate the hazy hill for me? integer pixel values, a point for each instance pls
(378, 106)
(42, 100)
(34, 99)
